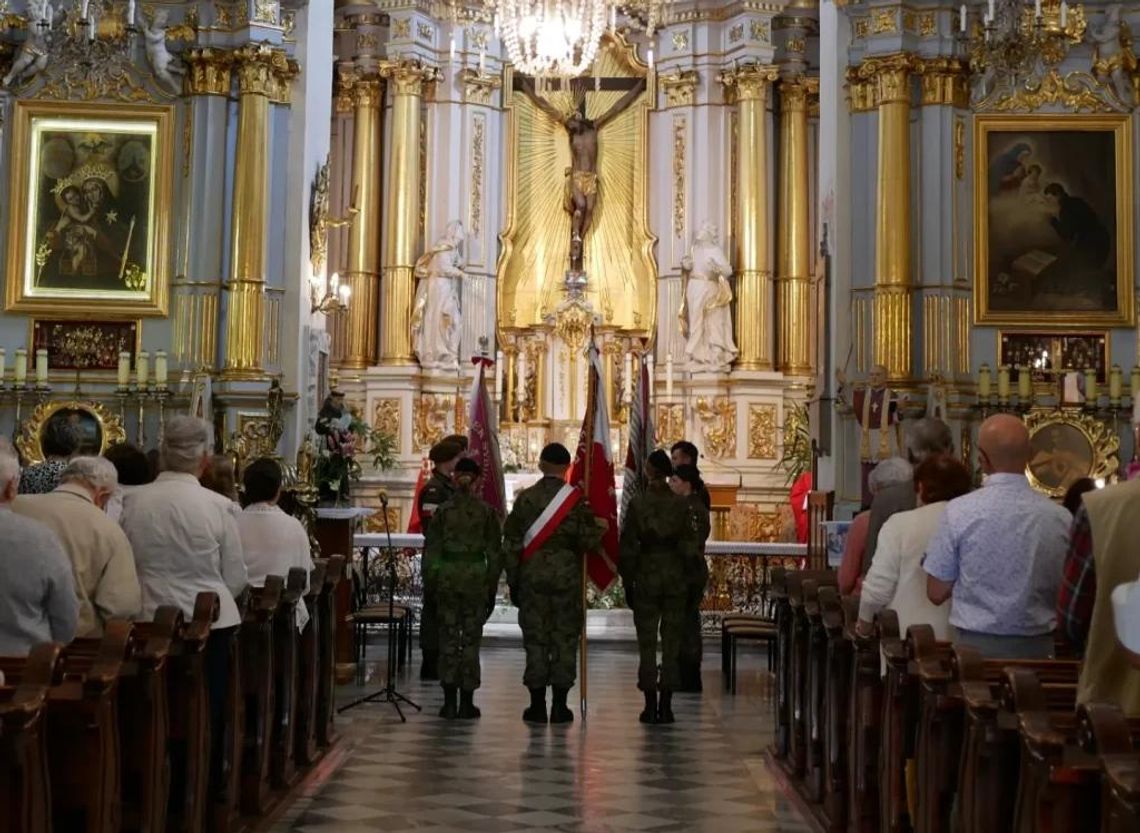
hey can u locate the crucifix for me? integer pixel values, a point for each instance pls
(581, 194)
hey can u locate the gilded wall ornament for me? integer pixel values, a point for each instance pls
(760, 30)
(209, 71)
(479, 87)
(478, 134)
(680, 134)
(429, 420)
(928, 24)
(861, 27)
(943, 81)
(265, 11)
(1077, 91)
(386, 417)
(762, 432)
(718, 426)
(680, 41)
(96, 421)
(736, 33)
(959, 148)
(401, 28)
(669, 420)
(680, 88)
(884, 21)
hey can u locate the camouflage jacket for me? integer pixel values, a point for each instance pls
(659, 546)
(465, 540)
(558, 562)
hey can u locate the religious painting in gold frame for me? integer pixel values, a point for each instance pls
(1066, 446)
(90, 199)
(1053, 235)
(618, 249)
(99, 428)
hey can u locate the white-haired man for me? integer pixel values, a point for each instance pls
(37, 591)
(186, 541)
(102, 563)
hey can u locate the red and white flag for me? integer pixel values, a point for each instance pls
(415, 522)
(641, 438)
(593, 473)
(483, 441)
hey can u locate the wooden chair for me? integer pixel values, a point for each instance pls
(309, 675)
(189, 742)
(821, 506)
(25, 792)
(144, 722)
(286, 672)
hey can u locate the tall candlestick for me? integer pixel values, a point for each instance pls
(520, 387)
(21, 367)
(160, 368)
(498, 375)
(1115, 383)
(1091, 392)
(668, 375)
(1024, 384)
(124, 378)
(985, 382)
(41, 366)
(1003, 383)
(649, 368)
(627, 376)
(142, 368)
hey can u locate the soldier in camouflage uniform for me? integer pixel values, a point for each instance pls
(547, 588)
(462, 563)
(686, 482)
(437, 491)
(692, 647)
(658, 560)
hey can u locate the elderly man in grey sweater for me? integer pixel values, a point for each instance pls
(924, 438)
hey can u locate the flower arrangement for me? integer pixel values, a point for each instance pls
(341, 436)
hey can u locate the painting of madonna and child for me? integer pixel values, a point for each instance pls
(1054, 224)
(96, 196)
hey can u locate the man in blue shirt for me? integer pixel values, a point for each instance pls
(998, 553)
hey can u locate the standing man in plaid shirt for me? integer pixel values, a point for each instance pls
(1102, 555)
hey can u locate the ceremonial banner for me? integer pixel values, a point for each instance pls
(641, 436)
(483, 441)
(593, 473)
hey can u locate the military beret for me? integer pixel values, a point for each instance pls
(459, 439)
(467, 466)
(444, 451)
(556, 454)
(660, 462)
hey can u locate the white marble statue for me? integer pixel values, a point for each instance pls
(706, 307)
(1113, 53)
(32, 58)
(436, 316)
(164, 65)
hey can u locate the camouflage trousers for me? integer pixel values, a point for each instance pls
(429, 624)
(666, 612)
(551, 625)
(461, 613)
(692, 642)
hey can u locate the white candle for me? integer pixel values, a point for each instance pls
(985, 382)
(451, 50)
(991, 9)
(21, 372)
(1064, 13)
(160, 368)
(498, 375)
(41, 366)
(131, 11)
(649, 367)
(1091, 392)
(1003, 382)
(1115, 383)
(668, 375)
(649, 58)
(962, 19)
(1037, 8)
(1024, 384)
(124, 369)
(520, 390)
(83, 7)
(482, 59)
(613, 17)
(142, 368)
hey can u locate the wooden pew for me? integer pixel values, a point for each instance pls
(901, 709)
(309, 675)
(25, 794)
(783, 615)
(326, 687)
(837, 617)
(1103, 730)
(144, 722)
(189, 742)
(256, 641)
(286, 670)
(816, 685)
(799, 650)
(224, 801)
(865, 717)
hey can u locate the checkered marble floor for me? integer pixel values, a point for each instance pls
(608, 773)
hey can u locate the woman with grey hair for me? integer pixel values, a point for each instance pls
(60, 442)
(890, 472)
(186, 541)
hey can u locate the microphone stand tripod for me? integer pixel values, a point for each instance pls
(388, 694)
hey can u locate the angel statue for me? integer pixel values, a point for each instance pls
(436, 314)
(706, 304)
(32, 58)
(582, 175)
(1112, 53)
(162, 62)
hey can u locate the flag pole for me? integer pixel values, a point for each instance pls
(588, 435)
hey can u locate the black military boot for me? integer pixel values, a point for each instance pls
(649, 713)
(690, 677)
(537, 711)
(429, 668)
(559, 712)
(467, 709)
(449, 711)
(665, 708)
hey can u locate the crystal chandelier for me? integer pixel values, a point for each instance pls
(1015, 39)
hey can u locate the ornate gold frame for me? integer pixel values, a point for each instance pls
(1101, 438)
(110, 427)
(23, 171)
(1121, 127)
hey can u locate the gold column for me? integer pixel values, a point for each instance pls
(261, 73)
(892, 313)
(362, 324)
(754, 279)
(402, 212)
(793, 269)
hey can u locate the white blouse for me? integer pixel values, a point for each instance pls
(274, 542)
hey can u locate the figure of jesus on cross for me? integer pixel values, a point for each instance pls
(582, 176)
